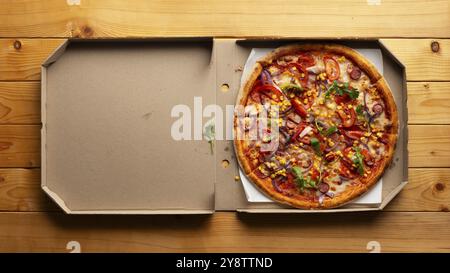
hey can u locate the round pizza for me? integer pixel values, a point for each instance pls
(315, 125)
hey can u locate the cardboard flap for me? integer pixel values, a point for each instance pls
(108, 115)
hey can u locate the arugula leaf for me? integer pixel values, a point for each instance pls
(341, 90)
(315, 144)
(359, 109)
(358, 160)
(300, 181)
(290, 86)
(331, 130)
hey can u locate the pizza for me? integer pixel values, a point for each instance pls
(315, 125)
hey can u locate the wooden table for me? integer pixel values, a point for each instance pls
(417, 31)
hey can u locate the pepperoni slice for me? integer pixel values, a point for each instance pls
(324, 187)
(377, 109)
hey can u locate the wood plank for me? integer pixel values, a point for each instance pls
(20, 145)
(20, 102)
(428, 102)
(422, 63)
(226, 232)
(20, 59)
(103, 18)
(20, 190)
(427, 190)
(429, 145)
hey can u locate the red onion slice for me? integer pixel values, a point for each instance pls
(305, 131)
(294, 118)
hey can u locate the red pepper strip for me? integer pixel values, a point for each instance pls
(306, 59)
(354, 134)
(299, 108)
(299, 129)
(343, 172)
(331, 68)
(347, 122)
(269, 88)
(300, 70)
(341, 99)
(315, 174)
(255, 96)
(367, 157)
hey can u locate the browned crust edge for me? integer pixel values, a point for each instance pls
(354, 191)
(348, 52)
(239, 145)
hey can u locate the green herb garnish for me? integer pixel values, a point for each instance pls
(341, 90)
(358, 160)
(331, 130)
(359, 109)
(291, 86)
(209, 132)
(300, 181)
(316, 145)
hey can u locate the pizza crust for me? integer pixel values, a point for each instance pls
(352, 191)
(239, 145)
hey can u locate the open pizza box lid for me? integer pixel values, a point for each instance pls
(106, 135)
(108, 110)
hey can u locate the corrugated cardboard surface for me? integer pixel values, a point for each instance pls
(106, 142)
(107, 127)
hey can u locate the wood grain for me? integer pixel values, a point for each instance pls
(400, 228)
(429, 145)
(20, 190)
(428, 190)
(20, 102)
(20, 59)
(428, 102)
(19, 145)
(422, 63)
(226, 232)
(104, 18)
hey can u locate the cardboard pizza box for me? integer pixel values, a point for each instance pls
(107, 126)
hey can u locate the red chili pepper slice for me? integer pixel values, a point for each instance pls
(315, 174)
(346, 121)
(306, 59)
(267, 89)
(354, 134)
(299, 129)
(346, 172)
(331, 68)
(299, 71)
(341, 98)
(255, 96)
(299, 108)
